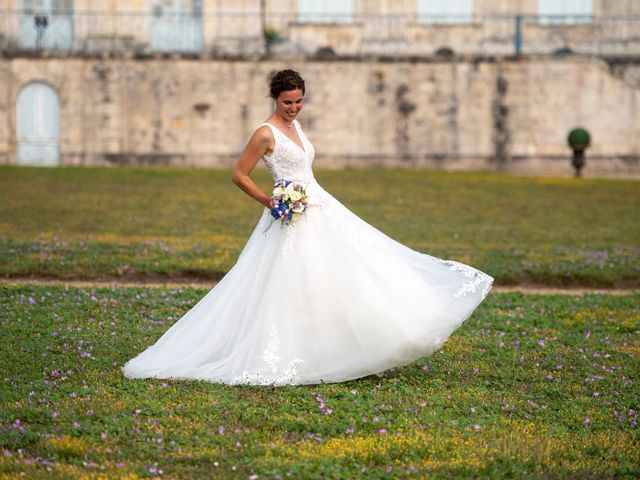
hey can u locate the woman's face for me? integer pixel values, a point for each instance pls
(289, 104)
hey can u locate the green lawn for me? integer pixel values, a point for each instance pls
(529, 387)
(94, 222)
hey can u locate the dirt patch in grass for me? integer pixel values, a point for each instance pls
(162, 282)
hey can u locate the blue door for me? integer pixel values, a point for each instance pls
(38, 125)
(47, 24)
(565, 11)
(176, 26)
(324, 11)
(445, 11)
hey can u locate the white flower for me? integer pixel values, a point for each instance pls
(288, 189)
(295, 196)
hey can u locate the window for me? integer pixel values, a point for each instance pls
(176, 26)
(445, 11)
(325, 11)
(565, 11)
(47, 24)
(38, 125)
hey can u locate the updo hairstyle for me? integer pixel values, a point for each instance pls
(283, 81)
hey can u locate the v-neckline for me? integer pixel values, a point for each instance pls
(302, 149)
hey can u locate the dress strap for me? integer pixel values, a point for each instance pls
(274, 129)
(296, 124)
(271, 126)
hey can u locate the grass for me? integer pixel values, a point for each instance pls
(94, 222)
(529, 387)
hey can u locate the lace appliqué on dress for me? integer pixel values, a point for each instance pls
(285, 375)
(354, 235)
(477, 278)
(288, 160)
(290, 234)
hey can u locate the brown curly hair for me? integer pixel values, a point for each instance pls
(283, 81)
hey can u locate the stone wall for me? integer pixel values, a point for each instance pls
(511, 115)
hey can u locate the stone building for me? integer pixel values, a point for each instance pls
(454, 84)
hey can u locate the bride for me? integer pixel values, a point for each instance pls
(326, 298)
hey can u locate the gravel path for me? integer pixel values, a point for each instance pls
(528, 289)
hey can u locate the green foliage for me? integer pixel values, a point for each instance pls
(94, 222)
(579, 138)
(271, 35)
(530, 386)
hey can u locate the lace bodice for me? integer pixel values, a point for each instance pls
(288, 160)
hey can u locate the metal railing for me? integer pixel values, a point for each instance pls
(215, 34)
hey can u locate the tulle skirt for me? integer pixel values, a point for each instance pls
(328, 298)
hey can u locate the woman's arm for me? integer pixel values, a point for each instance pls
(258, 144)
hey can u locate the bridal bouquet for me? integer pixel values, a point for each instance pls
(288, 201)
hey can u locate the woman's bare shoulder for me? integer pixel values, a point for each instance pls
(263, 129)
(263, 136)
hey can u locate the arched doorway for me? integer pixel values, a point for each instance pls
(38, 125)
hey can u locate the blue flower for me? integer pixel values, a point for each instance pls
(275, 213)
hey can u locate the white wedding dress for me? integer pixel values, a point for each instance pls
(328, 298)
